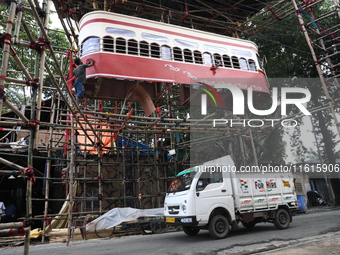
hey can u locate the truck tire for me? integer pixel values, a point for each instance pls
(190, 231)
(219, 227)
(250, 224)
(282, 219)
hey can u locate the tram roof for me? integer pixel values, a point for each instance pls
(216, 16)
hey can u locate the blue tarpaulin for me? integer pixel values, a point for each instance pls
(143, 149)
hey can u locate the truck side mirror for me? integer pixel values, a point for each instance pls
(200, 185)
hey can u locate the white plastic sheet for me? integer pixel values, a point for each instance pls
(117, 216)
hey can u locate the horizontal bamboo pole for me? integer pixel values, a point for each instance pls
(13, 231)
(12, 225)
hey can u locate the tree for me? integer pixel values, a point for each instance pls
(287, 55)
(18, 94)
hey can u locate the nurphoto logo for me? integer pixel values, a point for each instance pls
(238, 106)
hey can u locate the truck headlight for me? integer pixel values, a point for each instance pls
(184, 208)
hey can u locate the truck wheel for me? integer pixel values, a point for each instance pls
(282, 219)
(219, 227)
(190, 231)
(250, 224)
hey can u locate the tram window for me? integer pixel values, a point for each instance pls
(166, 52)
(207, 59)
(198, 57)
(226, 61)
(218, 59)
(259, 61)
(252, 65)
(132, 47)
(120, 31)
(90, 44)
(108, 43)
(144, 49)
(155, 37)
(214, 48)
(244, 64)
(155, 50)
(241, 52)
(186, 43)
(236, 64)
(187, 56)
(178, 54)
(120, 45)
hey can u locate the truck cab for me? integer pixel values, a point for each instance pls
(195, 194)
(213, 197)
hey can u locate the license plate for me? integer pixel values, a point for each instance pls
(186, 220)
(170, 219)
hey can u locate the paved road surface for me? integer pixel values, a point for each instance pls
(245, 241)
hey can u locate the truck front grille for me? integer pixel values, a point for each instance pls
(173, 209)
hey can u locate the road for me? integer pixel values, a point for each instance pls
(174, 243)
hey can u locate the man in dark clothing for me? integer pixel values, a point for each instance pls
(80, 74)
(10, 211)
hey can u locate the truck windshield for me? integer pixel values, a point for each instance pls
(183, 180)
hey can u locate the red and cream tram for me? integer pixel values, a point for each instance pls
(127, 49)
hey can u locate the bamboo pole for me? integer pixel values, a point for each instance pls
(32, 144)
(48, 168)
(100, 187)
(12, 225)
(18, 23)
(14, 231)
(6, 50)
(40, 73)
(318, 68)
(11, 164)
(71, 155)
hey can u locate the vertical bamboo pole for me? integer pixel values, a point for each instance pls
(124, 168)
(48, 166)
(6, 50)
(18, 23)
(157, 169)
(40, 73)
(85, 170)
(140, 195)
(100, 187)
(71, 168)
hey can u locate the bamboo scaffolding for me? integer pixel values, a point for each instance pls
(90, 169)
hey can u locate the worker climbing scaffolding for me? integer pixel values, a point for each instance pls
(80, 77)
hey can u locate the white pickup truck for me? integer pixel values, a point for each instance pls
(216, 197)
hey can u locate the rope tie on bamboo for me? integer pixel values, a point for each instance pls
(271, 9)
(33, 123)
(40, 45)
(48, 220)
(108, 114)
(41, 12)
(2, 93)
(20, 232)
(29, 172)
(5, 38)
(33, 83)
(317, 62)
(20, 8)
